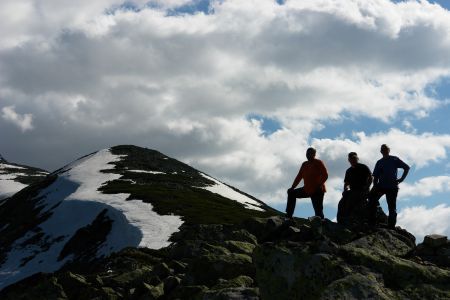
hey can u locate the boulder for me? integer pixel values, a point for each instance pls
(129, 279)
(238, 282)
(207, 269)
(150, 292)
(42, 288)
(385, 240)
(435, 249)
(285, 272)
(396, 271)
(358, 286)
(240, 247)
(232, 294)
(435, 240)
(170, 283)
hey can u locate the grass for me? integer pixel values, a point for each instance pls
(178, 191)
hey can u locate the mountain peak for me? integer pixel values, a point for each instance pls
(101, 203)
(2, 160)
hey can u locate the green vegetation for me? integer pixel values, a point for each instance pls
(178, 191)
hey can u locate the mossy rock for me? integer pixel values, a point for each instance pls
(150, 292)
(385, 240)
(130, 279)
(177, 266)
(196, 248)
(76, 286)
(232, 294)
(238, 282)
(162, 270)
(170, 283)
(191, 292)
(240, 247)
(208, 269)
(397, 272)
(295, 273)
(425, 291)
(107, 293)
(358, 286)
(338, 233)
(37, 287)
(213, 233)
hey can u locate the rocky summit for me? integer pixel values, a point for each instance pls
(132, 223)
(14, 177)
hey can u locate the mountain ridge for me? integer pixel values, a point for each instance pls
(215, 247)
(14, 177)
(127, 195)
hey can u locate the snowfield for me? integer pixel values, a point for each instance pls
(8, 186)
(144, 171)
(75, 202)
(227, 192)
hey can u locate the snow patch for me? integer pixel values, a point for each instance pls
(8, 186)
(227, 192)
(75, 203)
(145, 171)
(8, 166)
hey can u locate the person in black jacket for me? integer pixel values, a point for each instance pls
(357, 181)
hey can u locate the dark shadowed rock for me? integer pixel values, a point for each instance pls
(435, 240)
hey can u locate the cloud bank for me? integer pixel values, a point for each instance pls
(96, 74)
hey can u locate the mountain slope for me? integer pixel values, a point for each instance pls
(121, 197)
(217, 247)
(14, 177)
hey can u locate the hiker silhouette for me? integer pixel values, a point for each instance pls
(386, 183)
(357, 181)
(314, 174)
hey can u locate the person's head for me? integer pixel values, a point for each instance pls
(353, 158)
(385, 150)
(310, 153)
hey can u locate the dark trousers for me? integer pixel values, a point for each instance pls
(391, 198)
(352, 206)
(316, 199)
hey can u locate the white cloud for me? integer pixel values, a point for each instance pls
(425, 187)
(24, 122)
(418, 150)
(186, 84)
(421, 220)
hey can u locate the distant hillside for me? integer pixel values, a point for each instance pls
(14, 177)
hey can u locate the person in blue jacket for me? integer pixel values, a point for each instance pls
(385, 182)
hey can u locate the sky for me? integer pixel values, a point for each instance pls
(238, 89)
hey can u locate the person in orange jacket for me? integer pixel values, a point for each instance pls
(314, 174)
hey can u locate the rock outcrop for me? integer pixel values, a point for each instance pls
(132, 223)
(436, 249)
(261, 258)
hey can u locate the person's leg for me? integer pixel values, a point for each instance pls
(391, 198)
(292, 199)
(342, 213)
(317, 202)
(374, 196)
(340, 217)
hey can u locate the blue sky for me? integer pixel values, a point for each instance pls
(437, 122)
